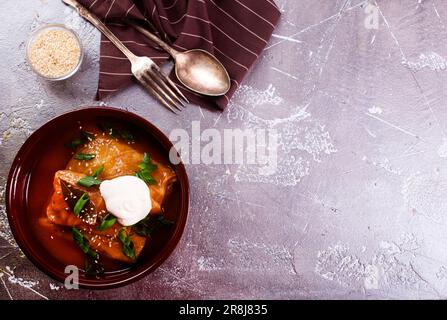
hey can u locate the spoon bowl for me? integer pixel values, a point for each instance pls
(197, 69)
(201, 72)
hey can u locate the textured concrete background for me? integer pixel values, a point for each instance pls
(358, 206)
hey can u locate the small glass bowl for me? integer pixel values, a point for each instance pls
(35, 34)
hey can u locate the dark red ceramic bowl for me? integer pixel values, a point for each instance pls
(29, 187)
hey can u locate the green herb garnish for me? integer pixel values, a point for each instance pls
(150, 224)
(105, 127)
(75, 143)
(115, 132)
(82, 242)
(92, 265)
(84, 156)
(85, 137)
(146, 169)
(108, 221)
(128, 246)
(80, 204)
(98, 171)
(90, 181)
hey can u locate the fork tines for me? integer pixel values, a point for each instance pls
(162, 88)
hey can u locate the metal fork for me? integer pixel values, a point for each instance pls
(143, 68)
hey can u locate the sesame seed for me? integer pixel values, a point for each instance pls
(55, 53)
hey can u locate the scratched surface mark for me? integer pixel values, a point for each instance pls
(357, 207)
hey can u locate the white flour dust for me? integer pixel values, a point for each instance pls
(250, 256)
(253, 97)
(375, 110)
(16, 127)
(267, 256)
(301, 139)
(55, 287)
(5, 231)
(40, 104)
(209, 264)
(337, 264)
(425, 194)
(430, 60)
(12, 278)
(383, 163)
(390, 268)
(26, 284)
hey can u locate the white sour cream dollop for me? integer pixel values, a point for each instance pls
(128, 198)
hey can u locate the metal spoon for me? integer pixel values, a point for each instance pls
(196, 69)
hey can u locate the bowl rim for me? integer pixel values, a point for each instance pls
(145, 268)
(33, 36)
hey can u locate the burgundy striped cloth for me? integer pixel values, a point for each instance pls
(235, 31)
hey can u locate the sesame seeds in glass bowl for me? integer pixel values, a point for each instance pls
(54, 52)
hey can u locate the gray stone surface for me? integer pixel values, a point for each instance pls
(358, 205)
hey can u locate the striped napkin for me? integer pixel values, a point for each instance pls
(235, 31)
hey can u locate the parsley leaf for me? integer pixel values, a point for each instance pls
(146, 169)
